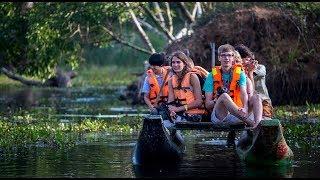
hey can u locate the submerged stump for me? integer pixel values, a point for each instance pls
(265, 145)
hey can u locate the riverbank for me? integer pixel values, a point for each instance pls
(32, 116)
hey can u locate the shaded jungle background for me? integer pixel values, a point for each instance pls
(87, 55)
(51, 43)
(285, 44)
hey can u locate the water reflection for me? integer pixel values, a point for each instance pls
(86, 160)
(62, 100)
(212, 158)
(269, 171)
(110, 156)
(170, 170)
(21, 99)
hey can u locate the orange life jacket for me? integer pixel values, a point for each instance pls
(202, 75)
(234, 89)
(155, 88)
(200, 71)
(184, 94)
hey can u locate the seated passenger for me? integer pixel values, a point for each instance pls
(155, 87)
(254, 101)
(185, 98)
(226, 91)
(257, 73)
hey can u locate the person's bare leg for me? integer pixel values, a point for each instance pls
(256, 108)
(220, 109)
(250, 111)
(225, 103)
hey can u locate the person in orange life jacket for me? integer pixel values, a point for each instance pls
(202, 74)
(155, 92)
(254, 101)
(184, 100)
(257, 73)
(230, 107)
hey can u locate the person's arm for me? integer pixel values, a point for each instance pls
(171, 98)
(147, 101)
(209, 102)
(243, 91)
(170, 93)
(244, 98)
(195, 83)
(208, 89)
(260, 70)
(145, 91)
(250, 89)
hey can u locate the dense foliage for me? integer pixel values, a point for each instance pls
(36, 37)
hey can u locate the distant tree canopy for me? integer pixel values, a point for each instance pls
(35, 37)
(286, 43)
(38, 36)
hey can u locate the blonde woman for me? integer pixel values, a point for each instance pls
(254, 101)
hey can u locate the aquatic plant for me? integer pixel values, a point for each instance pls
(45, 130)
(295, 113)
(305, 136)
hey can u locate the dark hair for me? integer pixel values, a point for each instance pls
(244, 51)
(186, 52)
(156, 59)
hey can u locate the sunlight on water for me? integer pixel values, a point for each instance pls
(214, 142)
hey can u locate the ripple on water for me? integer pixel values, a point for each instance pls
(130, 144)
(218, 142)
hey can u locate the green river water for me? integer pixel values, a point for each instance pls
(107, 155)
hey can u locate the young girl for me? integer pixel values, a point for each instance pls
(185, 98)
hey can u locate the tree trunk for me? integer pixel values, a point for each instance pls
(115, 37)
(151, 28)
(167, 33)
(140, 30)
(199, 10)
(168, 10)
(61, 79)
(19, 78)
(159, 13)
(186, 12)
(194, 11)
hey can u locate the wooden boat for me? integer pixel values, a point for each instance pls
(157, 147)
(265, 145)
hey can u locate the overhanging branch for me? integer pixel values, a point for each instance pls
(167, 33)
(20, 78)
(115, 37)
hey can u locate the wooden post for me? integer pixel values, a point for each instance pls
(231, 138)
(213, 57)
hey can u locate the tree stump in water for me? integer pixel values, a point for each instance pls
(265, 145)
(61, 79)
